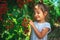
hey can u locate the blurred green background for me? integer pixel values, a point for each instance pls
(12, 13)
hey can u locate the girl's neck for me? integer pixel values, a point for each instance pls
(41, 21)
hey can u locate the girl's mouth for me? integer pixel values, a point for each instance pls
(38, 17)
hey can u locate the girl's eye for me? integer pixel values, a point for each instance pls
(36, 12)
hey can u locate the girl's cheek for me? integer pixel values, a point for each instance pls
(40, 15)
(35, 14)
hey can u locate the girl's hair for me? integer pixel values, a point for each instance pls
(44, 8)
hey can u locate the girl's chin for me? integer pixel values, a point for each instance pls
(38, 19)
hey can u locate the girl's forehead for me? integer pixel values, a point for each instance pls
(37, 7)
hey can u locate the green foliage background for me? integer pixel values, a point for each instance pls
(16, 14)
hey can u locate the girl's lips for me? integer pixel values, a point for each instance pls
(38, 17)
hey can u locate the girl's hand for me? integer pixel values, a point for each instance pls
(31, 23)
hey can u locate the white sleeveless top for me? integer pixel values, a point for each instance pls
(40, 26)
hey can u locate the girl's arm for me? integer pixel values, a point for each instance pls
(39, 34)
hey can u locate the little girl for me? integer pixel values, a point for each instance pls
(40, 28)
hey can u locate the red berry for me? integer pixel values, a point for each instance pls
(25, 20)
(7, 27)
(26, 31)
(11, 26)
(29, 0)
(0, 19)
(24, 25)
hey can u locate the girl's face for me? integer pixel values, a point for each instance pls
(39, 14)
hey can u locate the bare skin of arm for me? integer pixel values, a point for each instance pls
(40, 35)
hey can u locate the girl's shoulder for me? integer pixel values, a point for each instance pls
(42, 23)
(47, 23)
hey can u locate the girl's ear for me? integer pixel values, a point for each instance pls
(45, 13)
